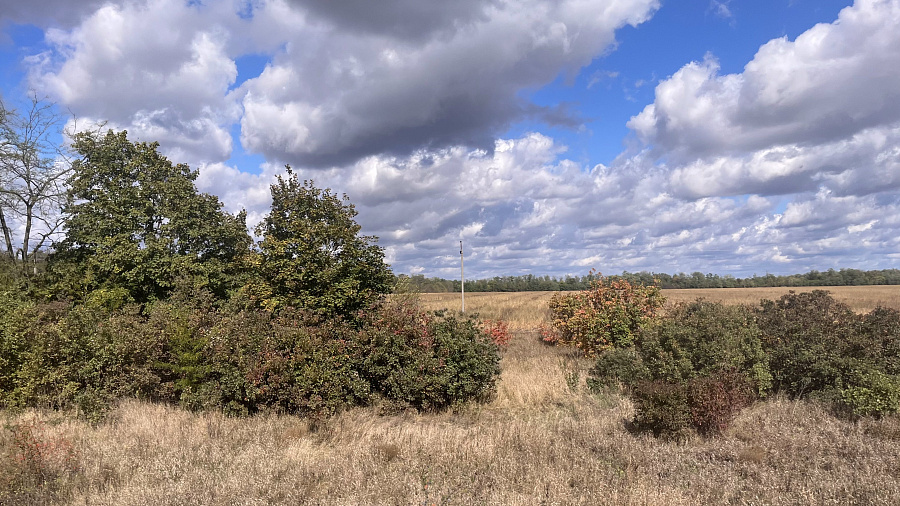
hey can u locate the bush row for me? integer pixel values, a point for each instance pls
(189, 352)
(703, 362)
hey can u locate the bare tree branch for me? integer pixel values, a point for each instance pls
(34, 166)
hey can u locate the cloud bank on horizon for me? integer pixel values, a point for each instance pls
(475, 120)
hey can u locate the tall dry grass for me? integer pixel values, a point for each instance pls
(861, 299)
(526, 310)
(543, 440)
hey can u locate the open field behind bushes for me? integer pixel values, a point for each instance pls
(544, 439)
(526, 310)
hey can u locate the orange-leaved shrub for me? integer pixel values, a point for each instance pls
(607, 315)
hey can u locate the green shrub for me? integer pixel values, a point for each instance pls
(662, 408)
(468, 357)
(699, 338)
(428, 361)
(80, 357)
(706, 404)
(820, 349)
(188, 352)
(805, 336)
(309, 368)
(878, 339)
(184, 363)
(57, 362)
(607, 315)
(871, 393)
(251, 361)
(14, 323)
(617, 367)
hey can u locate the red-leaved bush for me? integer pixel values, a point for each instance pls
(498, 330)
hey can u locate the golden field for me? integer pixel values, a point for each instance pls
(526, 310)
(543, 440)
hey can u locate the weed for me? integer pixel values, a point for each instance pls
(36, 467)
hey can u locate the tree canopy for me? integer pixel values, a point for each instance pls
(136, 222)
(312, 255)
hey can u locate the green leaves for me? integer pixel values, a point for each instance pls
(311, 255)
(136, 221)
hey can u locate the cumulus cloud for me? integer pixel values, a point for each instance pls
(523, 207)
(812, 123)
(47, 12)
(832, 82)
(792, 161)
(414, 20)
(346, 79)
(338, 92)
(158, 69)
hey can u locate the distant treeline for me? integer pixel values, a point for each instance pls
(532, 283)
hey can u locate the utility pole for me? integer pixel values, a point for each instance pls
(462, 274)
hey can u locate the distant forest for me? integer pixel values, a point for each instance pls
(529, 282)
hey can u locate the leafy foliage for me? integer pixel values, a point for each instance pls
(189, 352)
(803, 335)
(428, 361)
(662, 408)
(617, 367)
(707, 404)
(697, 339)
(716, 359)
(311, 255)
(499, 331)
(136, 221)
(609, 314)
(871, 393)
(819, 348)
(716, 399)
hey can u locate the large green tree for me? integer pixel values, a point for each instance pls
(134, 221)
(312, 256)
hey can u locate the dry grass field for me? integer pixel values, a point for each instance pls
(526, 310)
(543, 440)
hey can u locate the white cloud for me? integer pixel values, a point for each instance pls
(337, 94)
(721, 8)
(833, 81)
(792, 162)
(346, 80)
(526, 208)
(815, 121)
(159, 69)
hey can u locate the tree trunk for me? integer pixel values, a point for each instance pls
(29, 208)
(7, 236)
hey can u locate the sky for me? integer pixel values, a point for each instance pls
(551, 136)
